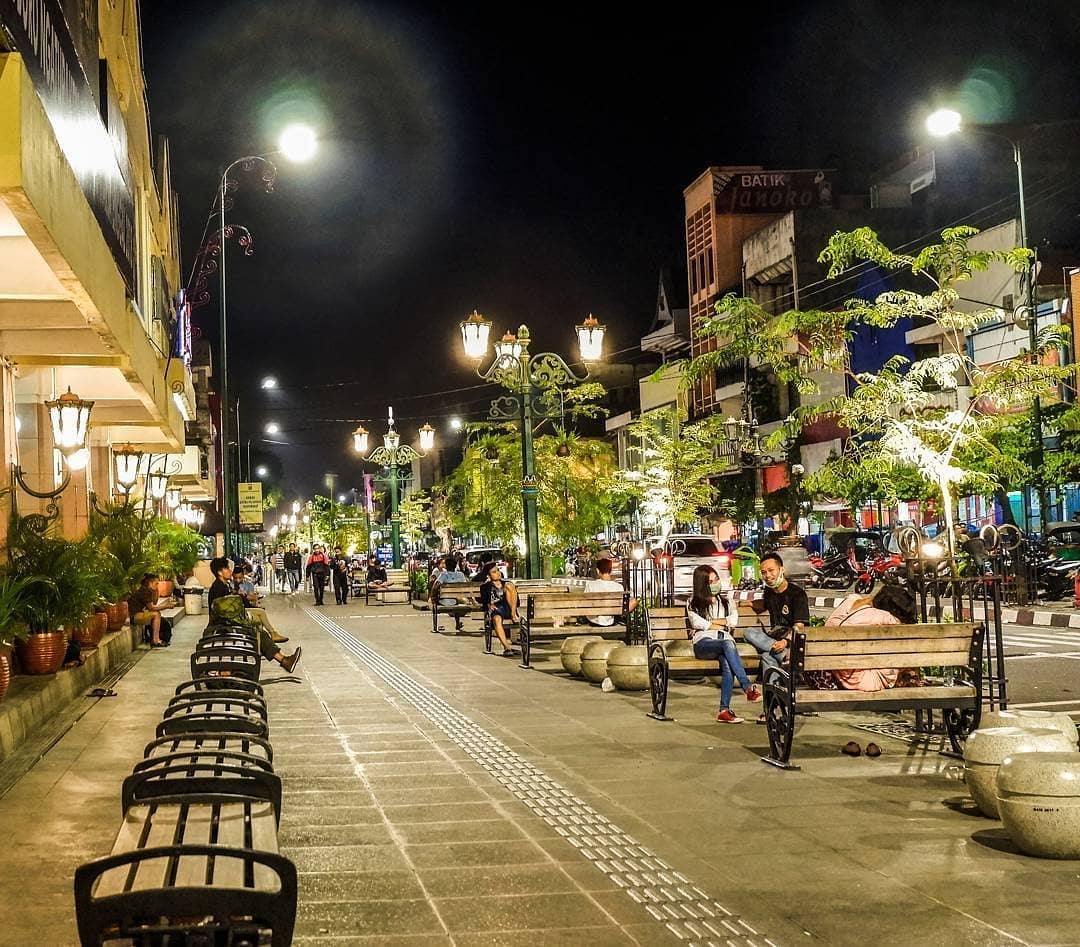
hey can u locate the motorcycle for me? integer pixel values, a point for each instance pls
(836, 571)
(879, 566)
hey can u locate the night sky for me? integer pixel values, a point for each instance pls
(526, 161)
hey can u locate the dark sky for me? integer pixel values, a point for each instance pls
(525, 160)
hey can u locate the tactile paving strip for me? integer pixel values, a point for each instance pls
(670, 898)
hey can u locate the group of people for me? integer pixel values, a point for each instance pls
(318, 569)
(713, 614)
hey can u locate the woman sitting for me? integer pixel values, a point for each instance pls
(711, 616)
(892, 605)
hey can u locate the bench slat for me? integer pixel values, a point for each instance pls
(264, 837)
(191, 870)
(819, 649)
(940, 692)
(855, 662)
(853, 632)
(149, 874)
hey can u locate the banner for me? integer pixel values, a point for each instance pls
(250, 505)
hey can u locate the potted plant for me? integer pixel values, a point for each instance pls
(11, 594)
(174, 551)
(49, 610)
(121, 531)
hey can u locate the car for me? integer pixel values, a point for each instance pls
(688, 551)
(474, 554)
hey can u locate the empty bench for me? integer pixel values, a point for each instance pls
(671, 653)
(955, 646)
(553, 615)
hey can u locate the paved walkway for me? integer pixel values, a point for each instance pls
(436, 795)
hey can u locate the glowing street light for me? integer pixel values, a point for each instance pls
(427, 437)
(474, 335)
(126, 461)
(943, 122)
(590, 339)
(298, 142)
(268, 382)
(456, 424)
(360, 440)
(261, 471)
(70, 419)
(273, 428)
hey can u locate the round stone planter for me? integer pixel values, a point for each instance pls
(42, 653)
(1030, 719)
(1039, 800)
(985, 750)
(570, 652)
(628, 667)
(594, 659)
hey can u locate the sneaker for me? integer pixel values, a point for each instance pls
(278, 639)
(728, 716)
(753, 694)
(291, 661)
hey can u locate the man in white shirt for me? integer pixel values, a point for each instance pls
(605, 583)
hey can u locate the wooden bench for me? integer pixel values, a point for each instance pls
(245, 743)
(209, 868)
(671, 653)
(180, 777)
(547, 615)
(209, 713)
(957, 646)
(466, 596)
(399, 590)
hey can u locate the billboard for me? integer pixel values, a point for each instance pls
(772, 192)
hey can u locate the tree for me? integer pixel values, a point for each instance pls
(933, 416)
(337, 524)
(674, 484)
(414, 516)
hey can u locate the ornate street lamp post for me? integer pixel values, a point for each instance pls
(530, 380)
(391, 455)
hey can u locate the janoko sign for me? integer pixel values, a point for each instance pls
(771, 192)
(59, 42)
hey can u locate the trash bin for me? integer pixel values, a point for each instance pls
(745, 566)
(193, 602)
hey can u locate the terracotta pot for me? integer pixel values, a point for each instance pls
(90, 632)
(117, 615)
(165, 588)
(5, 670)
(42, 654)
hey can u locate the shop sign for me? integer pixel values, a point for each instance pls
(250, 505)
(772, 192)
(57, 40)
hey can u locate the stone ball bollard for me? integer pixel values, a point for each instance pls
(570, 652)
(985, 750)
(594, 659)
(628, 667)
(1031, 719)
(1039, 799)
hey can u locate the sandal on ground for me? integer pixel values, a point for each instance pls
(851, 748)
(873, 750)
(508, 652)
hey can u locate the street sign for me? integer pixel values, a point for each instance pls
(250, 505)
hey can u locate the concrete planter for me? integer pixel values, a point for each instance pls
(1039, 799)
(594, 659)
(985, 750)
(570, 653)
(628, 667)
(1031, 719)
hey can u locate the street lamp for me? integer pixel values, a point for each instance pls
(273, 428)
(268, 382)
(360, 440)
(157, 485)
(391, 455)
(69, 416)
(297, 143)
(261, 471)
(126, 461)
(530, 379)
(945, 122)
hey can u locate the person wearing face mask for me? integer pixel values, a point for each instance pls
(711, 616)
(788, 608)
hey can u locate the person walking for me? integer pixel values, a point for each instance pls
(339, 566)
(277, 564)
(318, 570)
(292, 567)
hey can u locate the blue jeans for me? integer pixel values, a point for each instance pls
(763, 643)
(731, 666)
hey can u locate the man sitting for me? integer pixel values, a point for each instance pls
(450, 575)
(788, 609)
(146, 608)
(605, 583)
(376, 577)
(222, 569)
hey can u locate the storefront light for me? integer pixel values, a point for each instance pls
(70, 418)
(126, 461)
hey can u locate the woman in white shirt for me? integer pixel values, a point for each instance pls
(711, 616)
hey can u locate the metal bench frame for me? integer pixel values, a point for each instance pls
(577, 607)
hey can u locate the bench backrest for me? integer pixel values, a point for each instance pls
(547, 605)
(538, 585)
(669, 623)
(460, 590)
(855, 647)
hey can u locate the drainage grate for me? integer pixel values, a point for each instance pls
(687, 911)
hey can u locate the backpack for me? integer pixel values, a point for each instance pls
(229, 610)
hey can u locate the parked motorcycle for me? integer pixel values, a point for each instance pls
(836, 571)
(879, 566)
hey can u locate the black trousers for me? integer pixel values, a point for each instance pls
(341, 590)
(318, 582)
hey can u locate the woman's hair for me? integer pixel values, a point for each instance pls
(898, 602)
(701, 598)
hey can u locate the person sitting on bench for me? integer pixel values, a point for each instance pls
(892, 605)
(605, 583)
(146, 608)
(499, 600)
(376, 576)
(450, 575)
(222, 569)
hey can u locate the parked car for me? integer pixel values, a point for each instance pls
(688, 551)
(474, 555)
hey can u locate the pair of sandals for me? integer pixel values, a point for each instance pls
(851, 748)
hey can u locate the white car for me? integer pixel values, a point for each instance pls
(690, 550)
(474, 554)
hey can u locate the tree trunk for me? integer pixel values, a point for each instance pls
(1002, 498)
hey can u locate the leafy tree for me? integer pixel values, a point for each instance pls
(414, 516)
(336, 524)
(931, 417)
